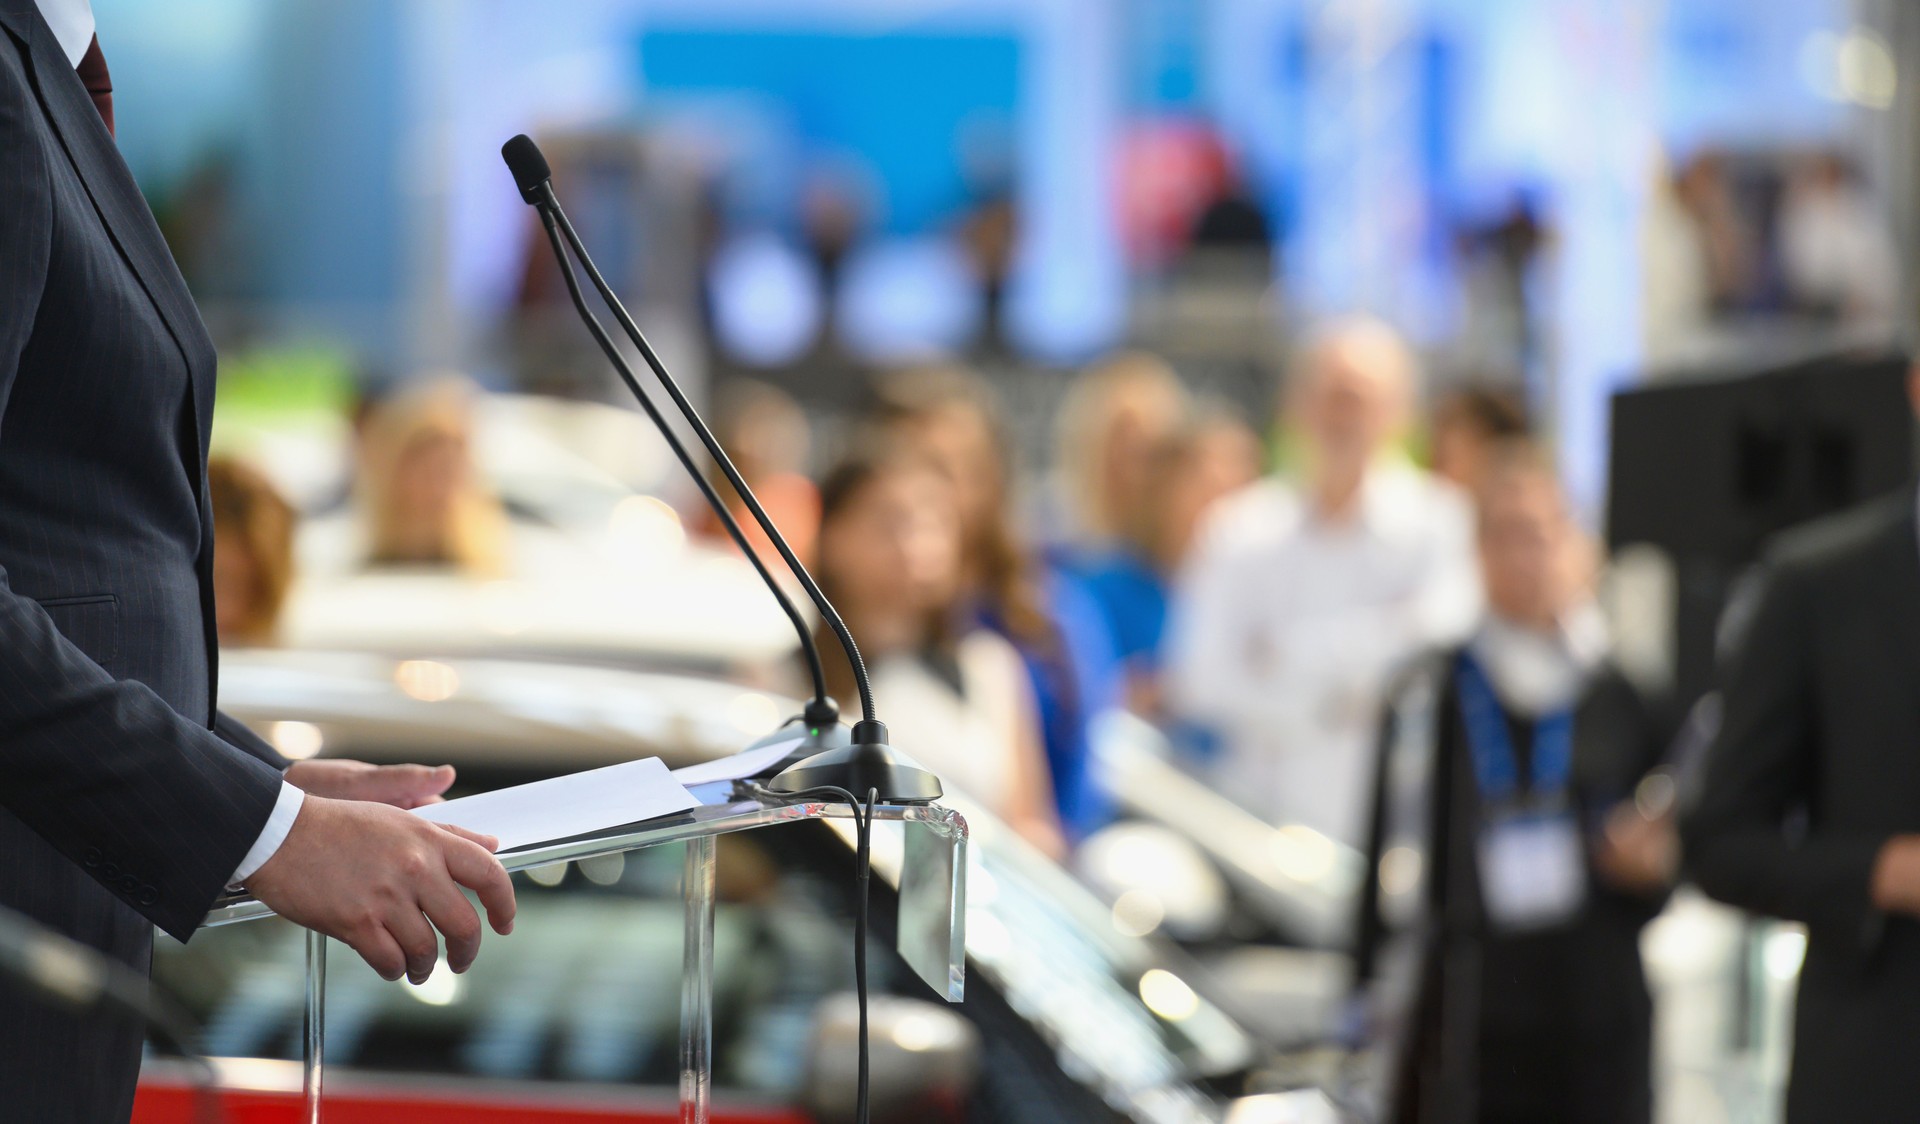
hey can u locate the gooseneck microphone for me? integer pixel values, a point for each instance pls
(868, 765)
(821, 712)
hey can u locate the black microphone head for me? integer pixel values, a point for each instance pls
(528, 166)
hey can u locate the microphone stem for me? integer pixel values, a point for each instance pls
(551, 203)
(707, 489)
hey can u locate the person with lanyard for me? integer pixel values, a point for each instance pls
(1521, 838)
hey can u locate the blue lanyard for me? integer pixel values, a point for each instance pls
(1495, 765)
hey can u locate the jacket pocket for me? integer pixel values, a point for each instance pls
(90, 622)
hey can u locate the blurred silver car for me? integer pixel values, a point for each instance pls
(1069, 1015)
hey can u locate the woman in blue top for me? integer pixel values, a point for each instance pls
(1131, 575)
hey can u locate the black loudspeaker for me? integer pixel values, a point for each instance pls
(1708, 466)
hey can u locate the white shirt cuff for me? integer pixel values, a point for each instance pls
(285, 810)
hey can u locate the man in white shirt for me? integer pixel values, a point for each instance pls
(1304, 594)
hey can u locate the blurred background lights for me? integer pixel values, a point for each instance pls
(753, 713)
(906, 299)
(1302, 853)
(440, 989)
(297, 740)
(1167, 995)
(1854, 66)
(645, 530)
(766, 300)
(604, 870)
(1784, 952)
(426, 680)
(919, 1032)
(1137, 913)
(1400, 870)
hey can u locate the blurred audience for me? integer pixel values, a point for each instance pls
(768, 438)
(1675, 285)
(1110, 423)
(1500, 264)
(954, 694)
(1213, 455)
(253, 528)
(1837, 251)
(418, 489)
(948, 415)
(1528, 790)
(1467, 422)
(1303, 594)
(1723, 234)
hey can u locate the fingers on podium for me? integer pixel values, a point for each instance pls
(473, 866)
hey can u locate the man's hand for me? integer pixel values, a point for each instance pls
(1896, 876)
(383, 881)
(403, 786)
(1638, 853)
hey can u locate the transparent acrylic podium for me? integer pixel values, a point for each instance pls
(925, 857)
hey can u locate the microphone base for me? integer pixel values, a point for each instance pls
(859, 768)
(815, 741)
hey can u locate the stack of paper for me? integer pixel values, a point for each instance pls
(562, 807)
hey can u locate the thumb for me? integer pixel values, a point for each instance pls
(407, 786)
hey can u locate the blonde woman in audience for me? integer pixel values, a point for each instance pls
(419, 490)
(1110, 424)
(954, 695)
(1187, 471)
(252, 553)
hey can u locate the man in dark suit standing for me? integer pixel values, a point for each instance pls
(1809, 804)
(126, 799)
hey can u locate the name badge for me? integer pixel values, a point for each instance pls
(1533, 871)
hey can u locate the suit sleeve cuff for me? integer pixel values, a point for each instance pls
(285, 810)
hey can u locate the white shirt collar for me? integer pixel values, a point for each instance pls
(1395, 498)
(72, 25)
(1534, 672)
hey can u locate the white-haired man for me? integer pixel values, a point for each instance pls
(1304, 593)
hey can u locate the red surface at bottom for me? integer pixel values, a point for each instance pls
(173, 1104)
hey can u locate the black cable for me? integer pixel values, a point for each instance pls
(550, 203)
(862, 876)
(680, 451)
(863, 869)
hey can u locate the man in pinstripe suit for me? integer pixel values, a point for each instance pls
(126, 800)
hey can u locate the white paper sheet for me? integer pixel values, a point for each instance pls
(737, 767)
(561, 807)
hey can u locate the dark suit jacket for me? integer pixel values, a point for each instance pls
(120, 808)
(1553, 1025)
(1816, 765)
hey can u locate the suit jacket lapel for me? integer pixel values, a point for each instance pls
(118, 201)
(1899, 563)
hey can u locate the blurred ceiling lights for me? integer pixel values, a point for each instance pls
(1855, 66)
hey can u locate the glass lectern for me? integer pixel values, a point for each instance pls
(924, 857)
